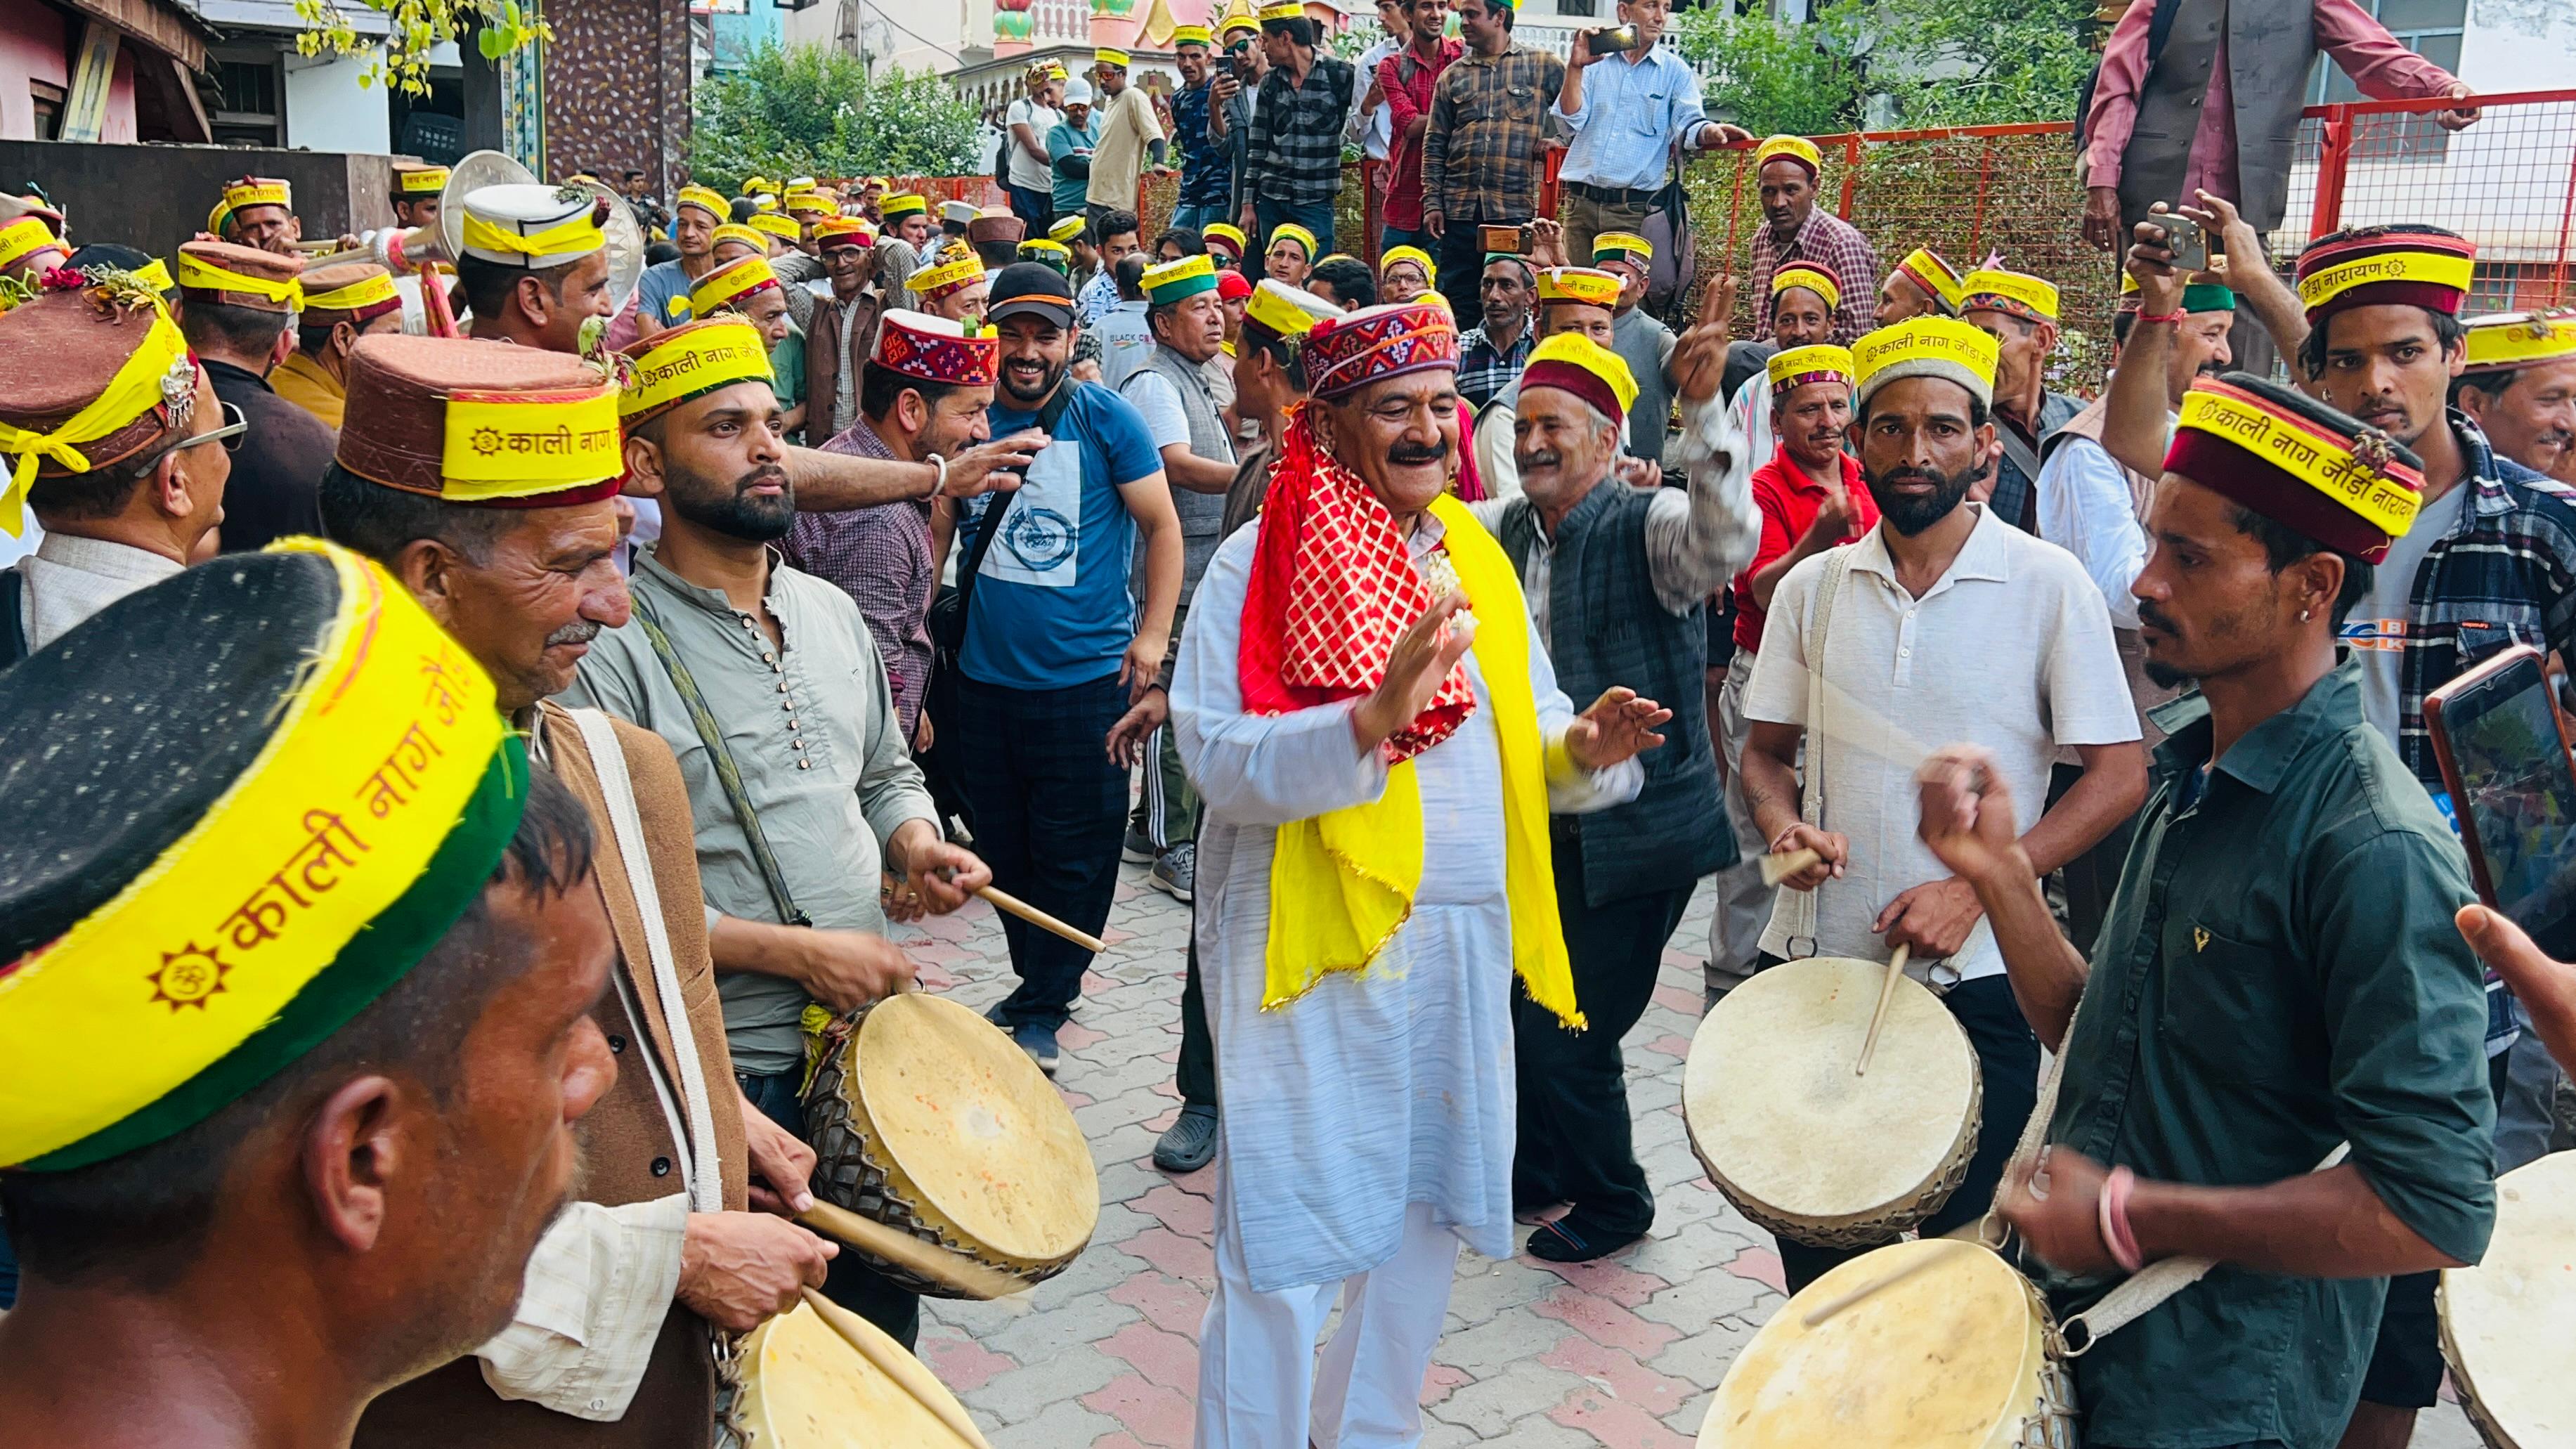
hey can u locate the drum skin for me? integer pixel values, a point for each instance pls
(1952, 1356)
(1799, 1143)
(803, 1387)
(2509, 1324)
(929, 1119)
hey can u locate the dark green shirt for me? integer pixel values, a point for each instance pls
(2279, 974)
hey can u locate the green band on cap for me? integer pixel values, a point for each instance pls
(2208, 297)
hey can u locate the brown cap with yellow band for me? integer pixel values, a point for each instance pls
(481, 423)
(234, 276)
(415, 183)
(88, 379)
(353, 292)
(2298, 462)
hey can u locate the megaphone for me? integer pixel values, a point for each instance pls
(404, 252)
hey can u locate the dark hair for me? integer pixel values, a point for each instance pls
(660, 252)
(1108, 224)
(743, 208)
(1285, 358)
(246, 330)
(1977, 409)
(879, 387)
(1129, 275)
(380, 522)
(141, 1217)
(105, 491)
(1187, 238)
(2448, 333)
(1349, 278)
(1300, 30)
(2493, 381)
(488, 285)
(2284, 546)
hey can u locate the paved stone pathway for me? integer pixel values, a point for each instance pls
(1621, 1353)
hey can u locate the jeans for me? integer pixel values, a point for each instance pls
(1034, 206)
(849, 1282)
(1199, 218)
(2008, 1054)
(1391, 237)
(1273, 215)
(1049, 808)
(1575, 1126)
(1461, 250)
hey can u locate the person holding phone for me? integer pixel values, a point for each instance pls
(1626, 124)
(1484, 152)
(2280, 973)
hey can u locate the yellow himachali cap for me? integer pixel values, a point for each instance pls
(1291, 231)
(2016, 293)
(2402, 265)
(1587, 285)
(901, 204)
(810, 203)
(1925, 268)
(1285, 312)
(1789, 148)
(1434, 299)
(1573, 362)
(1065, 229)
(1226, 232)
(24, 237)
(1238, 19)
(533, 225)
(1795, 367)
(259, 191)
(785, 228)
(740, 232)
(1110, 56)
(1043, 249)
(1622, 246)
(1395, 256)
(1810, 276)
(706, 199)
(729, 284)
(1283, 10)
(1925, 347)
(2521, 339)
(1191, 35)
(689, 361)
(356, 293)
(420, 180)
(1176, 280)
(933, 283)
(835, 232)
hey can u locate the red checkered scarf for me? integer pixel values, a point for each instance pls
(1333, 586)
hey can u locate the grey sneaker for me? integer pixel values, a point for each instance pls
(1190, 1142)
(1176, 872)
(1137, 848)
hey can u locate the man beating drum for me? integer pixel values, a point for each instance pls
(2280, 972)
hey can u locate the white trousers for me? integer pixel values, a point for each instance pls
(1257, 1373)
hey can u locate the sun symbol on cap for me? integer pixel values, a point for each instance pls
(188, 976)
(486, 441)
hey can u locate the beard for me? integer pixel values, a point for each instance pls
(1910, 516)
(734, 512)
(1047, 382)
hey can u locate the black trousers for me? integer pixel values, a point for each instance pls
(1462, 255)
(1049, 807)
(2008, 1056)
(1575, 1140)
(1196, 1073)
(850, 1282)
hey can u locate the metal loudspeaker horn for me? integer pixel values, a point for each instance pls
(626, 241)
(406, 252)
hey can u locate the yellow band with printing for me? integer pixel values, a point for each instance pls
(565, 241)
(518, 445)
(2440, 269)
(2315, 459)
(25, 237)
(2522, 341)
(138, 387)
(359, 295)
(696, 360)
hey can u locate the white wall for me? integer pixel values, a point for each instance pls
(327, 110)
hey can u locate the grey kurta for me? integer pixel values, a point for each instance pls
(812, 729)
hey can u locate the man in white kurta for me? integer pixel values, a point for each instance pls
(1368, 1126)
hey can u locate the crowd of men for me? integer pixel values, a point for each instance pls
(863, 555)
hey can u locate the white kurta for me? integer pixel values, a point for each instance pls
(1378, 1088)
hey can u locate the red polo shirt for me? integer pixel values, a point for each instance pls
(1789, 501)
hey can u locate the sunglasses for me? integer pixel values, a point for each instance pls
(230, 434)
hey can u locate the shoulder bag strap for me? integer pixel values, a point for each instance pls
(608, 762)
(711, 734)
(1049, 417)
(1811, 773)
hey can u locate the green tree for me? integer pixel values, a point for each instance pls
(1935, 62)
(813, 110)
(413, 28)
(1773, 78)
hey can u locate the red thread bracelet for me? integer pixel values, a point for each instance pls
(2153, 317)
(2117, 1235)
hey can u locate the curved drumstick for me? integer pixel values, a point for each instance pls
(904, 1250)
(1878, 1017)
(1005, 901)
(905, 1370)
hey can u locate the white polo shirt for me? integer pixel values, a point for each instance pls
(2011, 649)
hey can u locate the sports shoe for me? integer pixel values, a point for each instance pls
(1138, 848)
(1190, 1142)
(1038, 1041)
(1176, 871)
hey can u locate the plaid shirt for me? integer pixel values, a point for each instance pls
(2504, 575)
(880, 557)
(1829, 239)
(1207, 165)
(1484, 369)
(1481, 159)
(1295, 146)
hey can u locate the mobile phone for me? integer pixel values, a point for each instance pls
(1610, 41)
(1233, 70)
(2503, 751)
(2189, 243)
(1512, 239)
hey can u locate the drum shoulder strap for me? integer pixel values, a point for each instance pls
(1811, 772)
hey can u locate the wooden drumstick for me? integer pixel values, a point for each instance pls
(905, 1370)
(1777, 868)
(904, 1250)
(1878, 1017)
(1005, 901)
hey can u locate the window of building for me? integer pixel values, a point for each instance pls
(49, 109)
(250, 110)
(1582, 8)
(2431, 29)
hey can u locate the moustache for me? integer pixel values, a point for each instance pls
(1411, 454)
(766, 475)
(2153, 617)
(579, 631)
(2210, 369)
(1913, 475)
(1543, 458)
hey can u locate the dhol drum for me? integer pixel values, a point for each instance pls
(1802, 1144)
(803, 1386)
(930, 1120)
(2509, 1324)
(1952, 1350)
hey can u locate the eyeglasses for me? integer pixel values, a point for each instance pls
(230, 434)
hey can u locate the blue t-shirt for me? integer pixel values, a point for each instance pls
(663, 285)
(1051, 606)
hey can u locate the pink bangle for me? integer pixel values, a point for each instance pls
(2117, 1235)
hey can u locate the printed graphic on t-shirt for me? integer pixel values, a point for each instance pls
(1041, 539)
(2385, 635)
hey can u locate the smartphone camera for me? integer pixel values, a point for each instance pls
(1610, 41)
(2189, 243)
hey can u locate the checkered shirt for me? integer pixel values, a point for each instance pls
(1838, 244)
(1481, 158)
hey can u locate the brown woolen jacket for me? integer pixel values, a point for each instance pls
(627, 1151)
